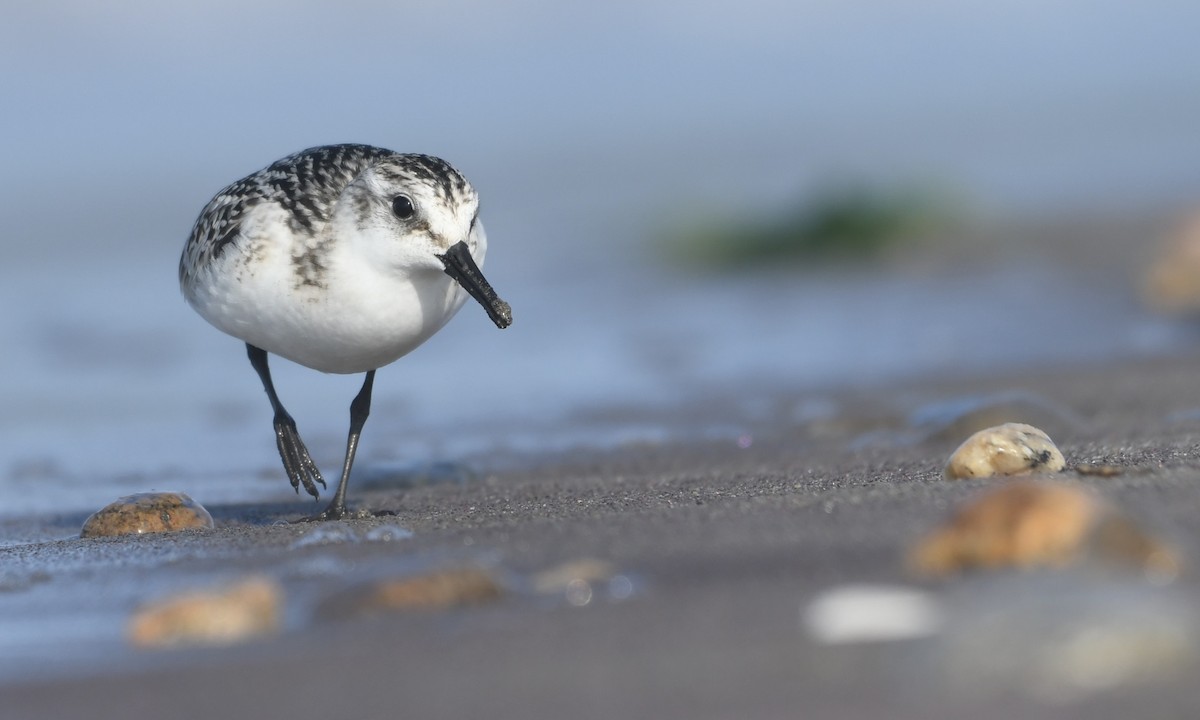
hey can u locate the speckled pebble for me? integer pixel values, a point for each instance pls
(1027, 524)
(247, 609)
(151, 512)
(433, 591)
(1008, 449)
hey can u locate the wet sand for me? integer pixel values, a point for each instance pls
(718, 548)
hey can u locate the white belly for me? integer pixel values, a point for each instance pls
(351, 325)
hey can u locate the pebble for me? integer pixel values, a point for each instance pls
(1059, 638)
(149, 512)
(1172, 283)
(581, 581)
(247, 609)
(561, 578)
(1008, 449)
(871, 613)
(1099, 470)
(1027, 524)
(437, 590)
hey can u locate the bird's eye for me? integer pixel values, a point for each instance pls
(402, 206)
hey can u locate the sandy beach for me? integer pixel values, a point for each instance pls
(714, 552)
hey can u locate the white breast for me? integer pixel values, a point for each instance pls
(357, 318)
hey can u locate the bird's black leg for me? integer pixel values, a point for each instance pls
(360, 408)
(301, 470)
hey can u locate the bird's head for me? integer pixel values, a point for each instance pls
(417, 214)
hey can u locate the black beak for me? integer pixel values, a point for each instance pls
(461, 266)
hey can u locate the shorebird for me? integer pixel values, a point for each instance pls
(342, 258)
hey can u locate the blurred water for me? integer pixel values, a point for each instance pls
(585, 128)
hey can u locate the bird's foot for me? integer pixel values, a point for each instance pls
(301, 470)
(337, 512)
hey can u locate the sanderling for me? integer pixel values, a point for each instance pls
(342, 258)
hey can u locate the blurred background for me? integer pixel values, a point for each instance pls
(694, 211)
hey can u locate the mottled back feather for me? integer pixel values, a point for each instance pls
(307, 186)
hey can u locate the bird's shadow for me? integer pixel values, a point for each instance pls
(261, 513)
